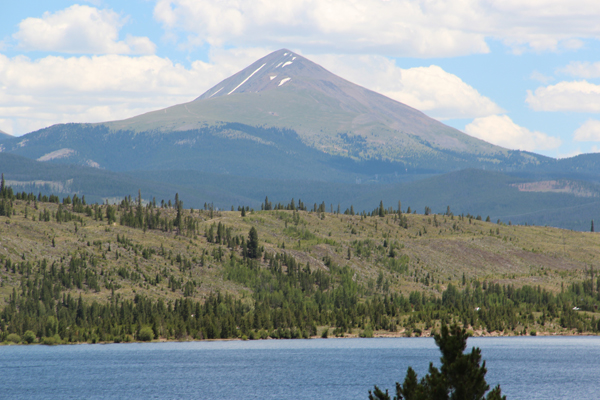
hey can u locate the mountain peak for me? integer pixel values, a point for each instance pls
(275, 70)
(286, 90)
(284, 75)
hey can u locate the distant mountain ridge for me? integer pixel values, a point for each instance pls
(286, 90)
(283, 92)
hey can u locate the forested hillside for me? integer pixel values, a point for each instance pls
(153, 270)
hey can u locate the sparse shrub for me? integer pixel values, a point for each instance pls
(13, 337)
(146, 334)
(49, 341)
(367, 333)
(29, 337)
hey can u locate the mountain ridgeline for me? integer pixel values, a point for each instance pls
(286, 127)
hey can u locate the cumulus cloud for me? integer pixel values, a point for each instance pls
(577, 96)
(584, 70)
(82, 30)
(394, 28)
(6, 126)
(430, 89)
(502, 131)
(420, 28)
(538, 76)
(38, 93)
(588, 132)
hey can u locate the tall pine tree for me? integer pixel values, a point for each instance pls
(252, 249)
(460, 377)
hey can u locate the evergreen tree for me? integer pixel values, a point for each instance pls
(179, 206)
(381, 210)
(268, 205)
(111, 214)
(252, 249)
(460, 377)
(592, 229)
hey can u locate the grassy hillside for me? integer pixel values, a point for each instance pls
(315, 271)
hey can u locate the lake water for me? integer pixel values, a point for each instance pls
(525, 367)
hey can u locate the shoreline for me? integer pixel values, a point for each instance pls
(382, 335)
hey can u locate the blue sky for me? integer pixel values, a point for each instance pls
(523, 74)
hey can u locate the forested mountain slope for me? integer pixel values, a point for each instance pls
(75, 272)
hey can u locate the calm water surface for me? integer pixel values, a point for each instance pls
(526, 368)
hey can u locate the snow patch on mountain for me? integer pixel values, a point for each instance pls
(245, 80)
(284, 80)
(215, 93)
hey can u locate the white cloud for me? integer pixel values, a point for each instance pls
(39, 93)
(430, 89)
(393, 28)
(502, 131)
(6, 125)
(80, 29)
(421, 28)
(584, 70)
(577, 96)
(588, 132)
(538, 76)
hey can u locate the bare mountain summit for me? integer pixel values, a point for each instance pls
(286, 90)
(281, 117)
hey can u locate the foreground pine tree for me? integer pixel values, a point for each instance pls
(461, 377)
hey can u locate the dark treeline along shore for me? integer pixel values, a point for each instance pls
(142, 270)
